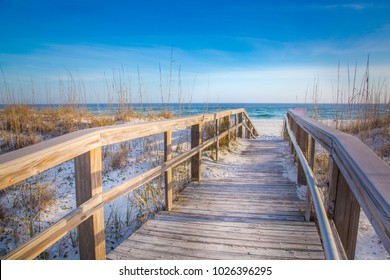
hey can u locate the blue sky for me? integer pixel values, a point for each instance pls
(219, 51)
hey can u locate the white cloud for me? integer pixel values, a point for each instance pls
(353, 6)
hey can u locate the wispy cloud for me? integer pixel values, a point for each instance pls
(351, 6)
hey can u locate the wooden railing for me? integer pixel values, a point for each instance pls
(85, 147)
(357, 177)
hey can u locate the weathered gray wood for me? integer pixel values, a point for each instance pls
(231, 219)
(196, 160)
(228, 127)
(346, 217)
(235, 124)
(240, 119)
(168, 173)
(302, 140)
(333, 177)
(217, 142)
(309, 207)
(88, 175)
(312, 147)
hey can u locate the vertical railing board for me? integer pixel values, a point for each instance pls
(196, 139)
(228, 127)
(309, 204)
(333, 177)
(312, 147)
(302, 140)
(168, 173)
(240, 129)
(217, 126)
(346, 216)
(88, 175)
(235, 123)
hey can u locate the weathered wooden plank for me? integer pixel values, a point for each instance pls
(217, 250)
(240, 121)
(133, 253)
(196, 160)
(26, 162)
(333, 177)
(346, 217)
(299, 226)
(309, 207)
(302, 140)
(168, 173)
(237, 239)
(241, 200)
(229, 126)
(233, 216)
(217, 142)
(226, 231)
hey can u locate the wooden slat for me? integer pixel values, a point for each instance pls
(333, 175)
(346, 217)
(302, 140)
(240, 121)
(217, 142)
(196, 160)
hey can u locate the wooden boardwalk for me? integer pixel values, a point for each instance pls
(253, 213)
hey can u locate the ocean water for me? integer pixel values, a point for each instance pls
(255, 110)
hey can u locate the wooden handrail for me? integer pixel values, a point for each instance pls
(357, 178)
(24, 163)
(328, 242)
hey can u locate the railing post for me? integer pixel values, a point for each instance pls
(309, 203)
(240, 129)
(196, 139)
(168, 173)
(247, 130)
(345, 208)
(88, 176)
(312, 145)
(291, 122)
(228, 128)
(333, 176)
(302, 140)
(235, 123)
(217, 141)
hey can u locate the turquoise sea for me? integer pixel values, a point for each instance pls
(255, 110)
